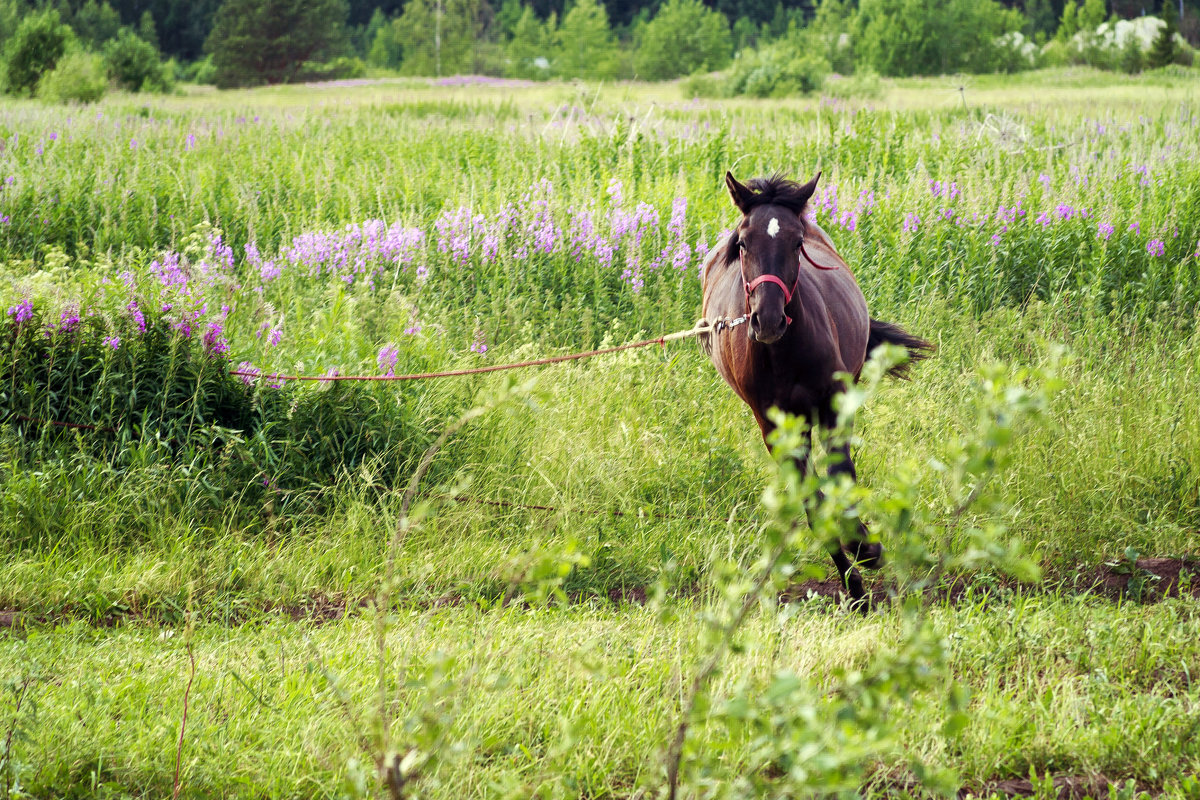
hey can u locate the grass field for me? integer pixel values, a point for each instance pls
(545, 633)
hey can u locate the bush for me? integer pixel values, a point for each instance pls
(200, 71)
(704, 84)
(862, 85)
(777, 71)
(79, 77)
(40, 41)
(1014, 52)
(119, 392)
(134, 64)
(1056, 53)
(684, 37)
(341, 68)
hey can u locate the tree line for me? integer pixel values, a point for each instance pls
(773, 46)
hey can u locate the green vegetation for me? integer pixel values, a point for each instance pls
(152, 245)
(777, 49)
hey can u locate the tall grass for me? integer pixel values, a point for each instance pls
(398, 230)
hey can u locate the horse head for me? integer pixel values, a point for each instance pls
(768, 243)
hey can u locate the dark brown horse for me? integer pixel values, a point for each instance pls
(805, 321)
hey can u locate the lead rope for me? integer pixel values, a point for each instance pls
(701, 328)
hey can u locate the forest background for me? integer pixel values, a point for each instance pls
(75, 50)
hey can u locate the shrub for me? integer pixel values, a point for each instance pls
(79, 77)
(200, 71)
(684, 37)
(119, 391)
(704, 84)
(134, 64)
(341, 68)
(1056, 53)
(1014, 52)
(863, 85)
(40, 41)
(777, 71)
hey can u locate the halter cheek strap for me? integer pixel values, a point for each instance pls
(750, 286)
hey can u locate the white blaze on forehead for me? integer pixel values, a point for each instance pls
(772, 227)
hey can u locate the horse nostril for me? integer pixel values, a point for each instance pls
(754, 320)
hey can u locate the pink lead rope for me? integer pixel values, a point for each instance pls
(761, 279)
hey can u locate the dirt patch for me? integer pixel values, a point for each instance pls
(13, 619)
(1147, 580)
(1144, 580)
(320, 609)
(1066, 787)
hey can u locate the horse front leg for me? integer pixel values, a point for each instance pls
(865, 553)
(849, 574)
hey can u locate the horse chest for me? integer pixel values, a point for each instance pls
(783, 375)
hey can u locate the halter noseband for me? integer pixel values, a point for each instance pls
(750, 286)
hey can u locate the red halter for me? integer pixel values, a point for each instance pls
(761, 279)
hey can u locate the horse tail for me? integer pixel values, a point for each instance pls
(888, 333)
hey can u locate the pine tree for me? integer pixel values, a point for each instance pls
(96, 23)
(1164, 50)
(266, 41)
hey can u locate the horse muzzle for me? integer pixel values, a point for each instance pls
(766, 328)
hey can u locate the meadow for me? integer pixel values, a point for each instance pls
(527, 619)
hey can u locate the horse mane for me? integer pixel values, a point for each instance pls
(778, 191)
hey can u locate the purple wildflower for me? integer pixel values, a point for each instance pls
(1155, 247)
(678, 217)
(1135, 227)
(22, 311)
(113, 341)
(911, 223)
(246, 366)
(137, 315)
(388, 354)
(616, 192)
(69, 319)
(480, 343)
(214, 343)
(1104, 230)
(1043, 219)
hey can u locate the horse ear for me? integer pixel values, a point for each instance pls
(741, 194)
(806, 191)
